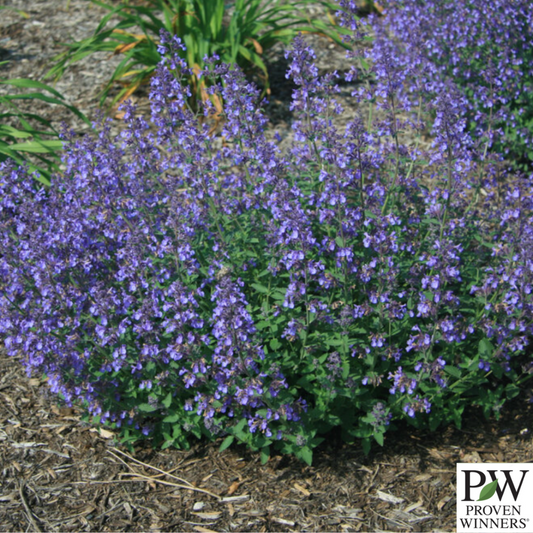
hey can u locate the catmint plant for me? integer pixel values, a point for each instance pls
(175, 284)
(482, 51)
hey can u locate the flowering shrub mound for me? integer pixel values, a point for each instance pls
(175, 286)
(483, 49)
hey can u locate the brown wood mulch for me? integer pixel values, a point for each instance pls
(58, 474)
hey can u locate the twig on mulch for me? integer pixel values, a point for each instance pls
(152, 467)
(188, 486)
(29, 512)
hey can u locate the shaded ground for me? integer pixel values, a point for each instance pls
(58, 474)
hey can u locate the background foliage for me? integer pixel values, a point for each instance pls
(484, 48)
(31, 133)
(205, 28)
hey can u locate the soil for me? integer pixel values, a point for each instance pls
(59, 474)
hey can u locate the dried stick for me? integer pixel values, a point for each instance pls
(27, 508)
(188, 486)
(153, 467)
(169, 484)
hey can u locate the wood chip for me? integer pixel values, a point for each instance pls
(60, 454)
(353, 513)
(472, 457)
(443, 502)
(208, 516)
(283, 522)
(233, 487)
(203, 529)
(413, 506)
(106, 434)
(405, 518)
(27, 444)
(255, 512)
(235, 498)
(389, 497)
(303, 490)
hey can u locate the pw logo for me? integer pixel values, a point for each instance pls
(493, 487)
(494, 497)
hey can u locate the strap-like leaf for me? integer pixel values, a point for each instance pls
(37, 147)
(31, 84)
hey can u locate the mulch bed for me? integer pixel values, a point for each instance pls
(59, 474)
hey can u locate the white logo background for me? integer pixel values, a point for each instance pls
(509, 509)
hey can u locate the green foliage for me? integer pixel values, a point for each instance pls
(32, 134)
(253, 28)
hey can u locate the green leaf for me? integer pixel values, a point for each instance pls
(275, 344)
(316, 441)
(434, 422)
(512, 390)
(172, 418)
(335, 342)
(379, 438)
(31, 84)
(239, 431)
(10, 131)
(38, 147)
(260, 288)
(307, 455)
(167, 444)
(147, 408)
(176, 431)
(453, 371)
(265, 454)
(366, 445)
(488, 491)
(168, 400)
(485, 348)
(227, 442)
(263, 273)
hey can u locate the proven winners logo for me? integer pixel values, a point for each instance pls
(495, 497)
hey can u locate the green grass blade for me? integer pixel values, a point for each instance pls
(31, 84)
(11, 132)
(37, 146)
(50, 100)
